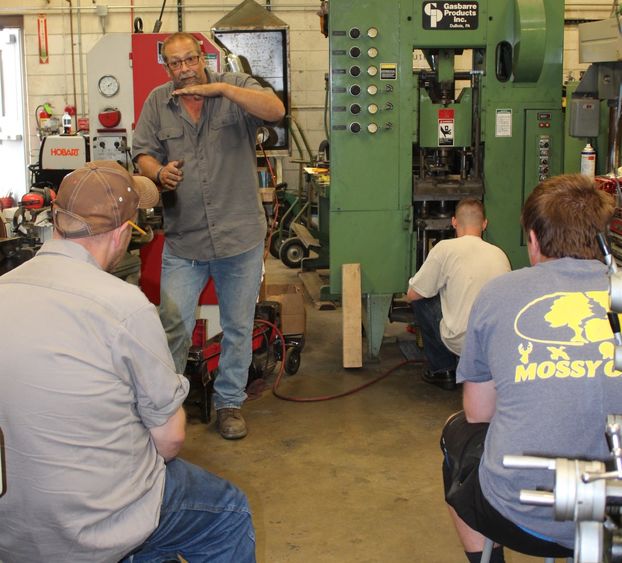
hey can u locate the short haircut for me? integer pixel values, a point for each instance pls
(470, 211)
(566, 213)
(180, 36)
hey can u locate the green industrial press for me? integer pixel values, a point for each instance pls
(431, 102)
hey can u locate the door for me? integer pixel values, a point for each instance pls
(13, 161)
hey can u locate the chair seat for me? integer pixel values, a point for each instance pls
(487, 552)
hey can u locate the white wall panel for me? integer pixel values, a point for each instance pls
(53, 82)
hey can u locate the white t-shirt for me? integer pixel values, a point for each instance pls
(457, 269)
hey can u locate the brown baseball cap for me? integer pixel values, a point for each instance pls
(100, 197)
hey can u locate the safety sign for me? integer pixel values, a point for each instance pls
(445, 127)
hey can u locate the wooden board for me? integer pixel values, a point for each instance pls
(352, 316)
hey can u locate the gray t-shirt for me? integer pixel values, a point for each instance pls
(216, 211)
(86, 370)
(542, 335)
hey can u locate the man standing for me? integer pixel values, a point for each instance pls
(90, 407)
(537, 365)
(442, 292)
(196, 139)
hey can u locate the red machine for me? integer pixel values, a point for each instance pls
(122, 68)
(269, 345)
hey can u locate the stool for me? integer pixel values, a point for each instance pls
(487, 552)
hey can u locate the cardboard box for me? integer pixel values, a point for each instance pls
(293, 314)
(267, 195)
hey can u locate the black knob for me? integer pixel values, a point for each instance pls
(355, 33)
(355, 89)
(355, 108)
(355, 127)
(355, 70)
(355, 52)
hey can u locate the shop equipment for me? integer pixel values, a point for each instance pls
(431, 102)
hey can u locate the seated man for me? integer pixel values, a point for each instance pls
(442, 291)
(90, 406)
(537, 365)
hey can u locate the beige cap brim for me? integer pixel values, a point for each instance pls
(147, 192)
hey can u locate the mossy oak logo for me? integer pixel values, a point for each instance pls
(559, 331)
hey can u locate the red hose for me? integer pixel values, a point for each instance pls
(323, 397)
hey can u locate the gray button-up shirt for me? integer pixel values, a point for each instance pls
(86, 371)
(216, 211)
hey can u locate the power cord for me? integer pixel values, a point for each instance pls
(277, 381)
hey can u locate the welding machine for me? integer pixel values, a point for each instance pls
(58, 155)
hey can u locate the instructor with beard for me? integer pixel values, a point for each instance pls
(196, 139)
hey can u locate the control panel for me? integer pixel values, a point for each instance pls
(371, 131)
(362, 87)
(544, 148)
(109, 146)
(544, 145)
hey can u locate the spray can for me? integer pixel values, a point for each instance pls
(588, 161)
(66, 123)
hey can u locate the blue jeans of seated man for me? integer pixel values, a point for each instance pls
(202, 518)
(237, 280)
(428, 314)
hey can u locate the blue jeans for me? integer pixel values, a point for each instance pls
(237, 280)
(203, 518)
(428, 314)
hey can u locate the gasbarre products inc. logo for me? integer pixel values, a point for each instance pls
(450, 15)
(431, 10)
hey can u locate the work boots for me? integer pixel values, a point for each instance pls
(230, 423)
(444, 378)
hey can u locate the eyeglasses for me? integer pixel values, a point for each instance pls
(190, 61)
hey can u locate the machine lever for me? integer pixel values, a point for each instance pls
(604, 247)
(614, 322)
(537, 498)
(528, 462)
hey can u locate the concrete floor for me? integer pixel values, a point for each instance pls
(355, 479)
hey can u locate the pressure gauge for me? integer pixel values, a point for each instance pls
(372, 71)
(108, 85)
(372, 52)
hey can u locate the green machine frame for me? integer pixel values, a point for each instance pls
(407, 143)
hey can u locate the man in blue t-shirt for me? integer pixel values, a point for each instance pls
(538, 374)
